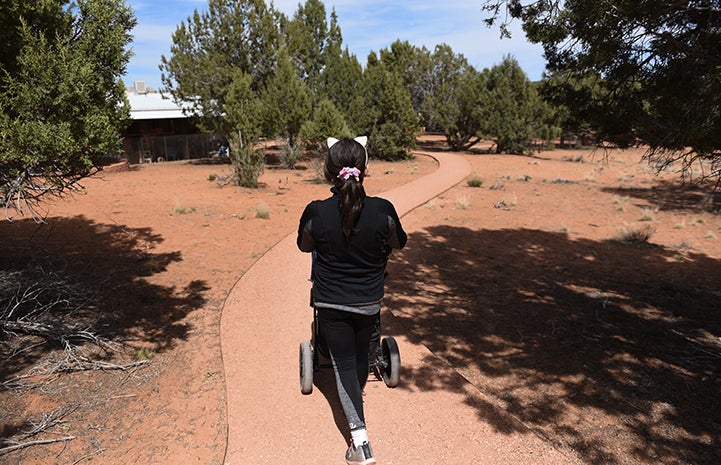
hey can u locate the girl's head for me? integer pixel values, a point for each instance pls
(345, 153)
(345, 168)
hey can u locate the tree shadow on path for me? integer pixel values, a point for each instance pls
(609, 349)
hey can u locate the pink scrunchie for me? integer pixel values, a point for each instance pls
(347, 172)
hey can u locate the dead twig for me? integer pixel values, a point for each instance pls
(707, 352)
(22, 445)
(43, 425)
(87, 456)
(694, 346)
(47, 421)
(123, 396)
(75, 360)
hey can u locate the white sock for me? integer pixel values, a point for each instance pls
(359, 436)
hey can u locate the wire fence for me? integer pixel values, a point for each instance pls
(152, 149)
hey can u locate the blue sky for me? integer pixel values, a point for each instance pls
(368, 25)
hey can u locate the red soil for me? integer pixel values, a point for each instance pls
(607, 351)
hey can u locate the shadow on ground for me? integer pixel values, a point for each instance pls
(609, 349)
(669, 196)
(93, 278)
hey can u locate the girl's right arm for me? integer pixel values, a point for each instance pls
(397, 237)
(305, 240)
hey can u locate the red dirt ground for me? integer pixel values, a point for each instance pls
(607, 350)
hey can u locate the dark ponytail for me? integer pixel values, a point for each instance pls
(345, 168)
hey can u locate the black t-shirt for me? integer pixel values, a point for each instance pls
(350, 271)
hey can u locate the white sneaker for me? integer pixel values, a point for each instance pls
(362, 455)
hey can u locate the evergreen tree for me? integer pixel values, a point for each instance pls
(343, 86)
(210, 46)
(286, 102)
(244, 116)
(562, 89)
(658, 64)
(309, 36)
(515, 114)
(415, 66)
(457, 98)
(62, 102)
(327, 121)
(392, 125)
(458, 108)
(244, 107)
(17, 16)
(447, 67)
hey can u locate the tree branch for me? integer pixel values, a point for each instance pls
(22, 445)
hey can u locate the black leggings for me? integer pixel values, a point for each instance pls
(347, 336)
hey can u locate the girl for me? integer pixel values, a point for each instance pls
(352, 236)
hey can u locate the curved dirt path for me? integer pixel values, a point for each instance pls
(436, 421)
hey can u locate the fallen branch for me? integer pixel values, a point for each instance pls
(707, 352)
(16, 383)
(694, 345)
(46, 422)
(74, 362)
(22, 445)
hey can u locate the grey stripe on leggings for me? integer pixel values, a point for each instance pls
(354, 419)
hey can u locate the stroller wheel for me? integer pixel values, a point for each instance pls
(392, 365)
(306, 367)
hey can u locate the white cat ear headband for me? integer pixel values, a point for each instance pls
(362, 140)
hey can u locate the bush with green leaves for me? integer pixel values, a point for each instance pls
(514, 114)
(291, 154)
(286, 101)
(632, 72)
(62, 102)
(248, 164)
(327, 121)
(457, 98)
(392, 123)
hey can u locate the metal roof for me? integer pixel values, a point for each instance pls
(152, 105)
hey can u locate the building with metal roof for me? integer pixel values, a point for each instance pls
(160, 131)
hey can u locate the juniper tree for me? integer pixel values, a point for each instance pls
(457, 98)
(391, 123)
(513, 115)
(657, 66)
(342, 84)
(209, 47)
(219, 61)
(244, 113)
(62, 100)
(286, 102)
(310, 39)
(415, 66)
(327, 121)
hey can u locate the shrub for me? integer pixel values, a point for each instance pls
(474, 181)
(181, 210)
(327, 122)
(144, 353)
(647, 214)
(290, 154)
(390, 142)
(262, 212)
(639, 236)
(462, 202)
(248, 164)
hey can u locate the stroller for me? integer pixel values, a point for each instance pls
(384, 356)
